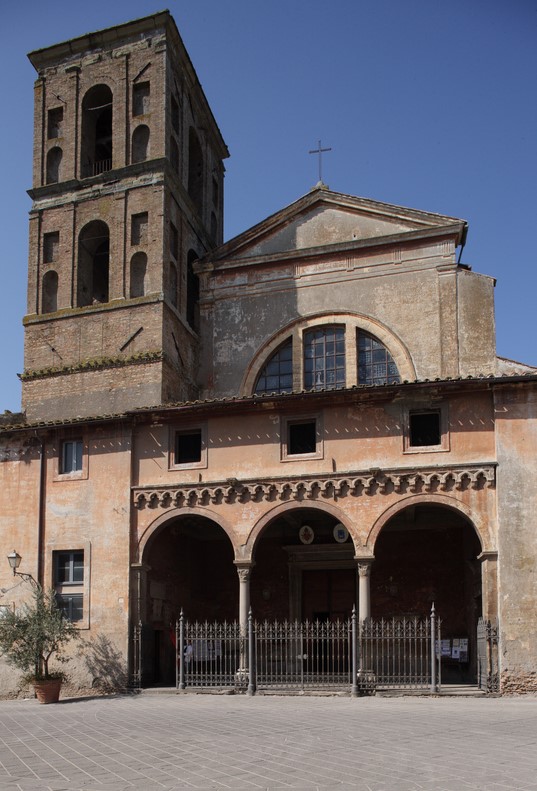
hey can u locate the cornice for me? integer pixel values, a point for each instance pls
(333, 487)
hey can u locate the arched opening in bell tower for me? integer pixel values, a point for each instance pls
(93, 264)
(96, 150)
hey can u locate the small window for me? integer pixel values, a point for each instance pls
(424, 429)
(301, 437)
(71, 459)
(69, 568)
(188, 447)
(215, 192)
(139, 228)
(174, 241)
(174, 114)
(55, 123)
(174, 155)
(51, 242)
(140, 144)
(72, 605)
(140, 98)
(54, 161)
(49, 292)
(173, 286)
(69, 583)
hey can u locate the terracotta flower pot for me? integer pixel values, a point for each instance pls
(48, 690)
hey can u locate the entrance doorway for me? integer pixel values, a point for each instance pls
(328, 594)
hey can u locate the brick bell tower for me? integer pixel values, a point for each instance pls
(127, 193)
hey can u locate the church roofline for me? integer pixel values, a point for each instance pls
(281, 400)
(430, 221)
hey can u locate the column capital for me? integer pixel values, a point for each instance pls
(244, 570)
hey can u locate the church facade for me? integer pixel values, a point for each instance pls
(306, 418)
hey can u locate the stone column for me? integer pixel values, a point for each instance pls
(243, 570)
(364, 590)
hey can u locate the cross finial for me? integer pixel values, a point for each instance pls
(320, 150)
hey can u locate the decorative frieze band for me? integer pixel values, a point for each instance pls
(378, 482)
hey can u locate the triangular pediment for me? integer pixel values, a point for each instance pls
(322, 219)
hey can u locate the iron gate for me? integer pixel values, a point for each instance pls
(397, 653)
(488, 678)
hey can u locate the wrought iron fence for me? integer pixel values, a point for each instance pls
(488, 678)
(297, 655)
(400, 653)
(210, 655)
(360, 657)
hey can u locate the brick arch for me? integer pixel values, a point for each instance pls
(161, 521)
(474, 520)
(247, 550)
(352, 321)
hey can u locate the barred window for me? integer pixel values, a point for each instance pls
(375, 363)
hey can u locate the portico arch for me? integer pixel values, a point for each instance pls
(474, 519)
(157, 524)
(303, 563)
(247, 550)
(428, 549)
(184, 562)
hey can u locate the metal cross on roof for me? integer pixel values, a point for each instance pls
(320, 150)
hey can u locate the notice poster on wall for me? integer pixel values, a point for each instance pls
(446, 647)
(463, 657)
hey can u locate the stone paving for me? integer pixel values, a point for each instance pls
(167, 741)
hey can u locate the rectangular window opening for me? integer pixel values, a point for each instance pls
(71, 456)
(72, 605)
(69, 573)
(174, 241)
(425, 429)
(55, 123)
(188, 447)
(140, 98)
(51, 243)
(301, 437)
(139, 228)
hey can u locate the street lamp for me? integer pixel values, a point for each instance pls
(14, 560)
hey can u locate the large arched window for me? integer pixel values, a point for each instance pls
(49, 292)
(375, 363)
(54, 161)
(277, 374)
(195, 170)
(96, 150)
(324, 358)
(140, 143)
(93, 264)
(138, 274)
(328, 352)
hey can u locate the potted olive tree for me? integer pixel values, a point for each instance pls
(34, 635)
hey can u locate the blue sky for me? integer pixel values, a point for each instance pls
(425, 104)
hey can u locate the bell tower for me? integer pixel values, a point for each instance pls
(127, 193)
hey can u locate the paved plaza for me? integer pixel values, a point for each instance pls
(167, 741)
